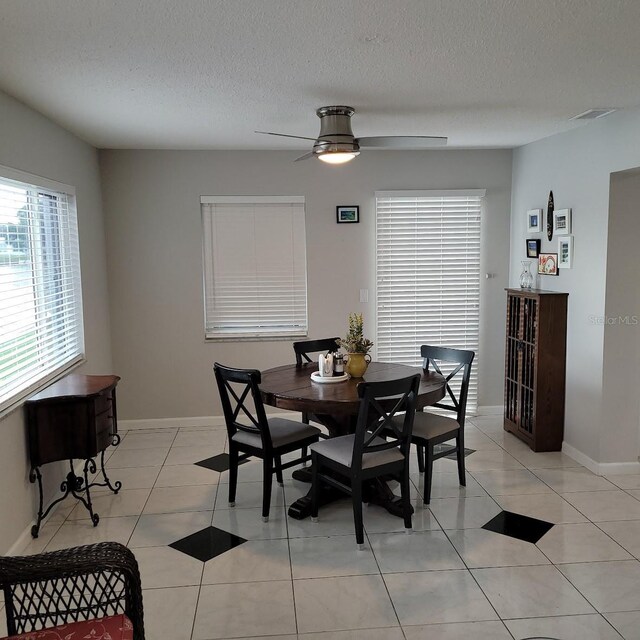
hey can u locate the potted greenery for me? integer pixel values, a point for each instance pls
(356, 346)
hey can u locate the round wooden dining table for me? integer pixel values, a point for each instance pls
(336, 407)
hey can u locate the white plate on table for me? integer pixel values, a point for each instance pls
(316, 377)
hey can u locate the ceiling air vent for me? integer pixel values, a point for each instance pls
(593, 114)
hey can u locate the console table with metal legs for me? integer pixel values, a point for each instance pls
(73, 419)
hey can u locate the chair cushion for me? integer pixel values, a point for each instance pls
(283, 432)
(117, 627)
(340, 450)
(428, 425)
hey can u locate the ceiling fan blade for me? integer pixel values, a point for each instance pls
(305, 156)
(402, 142)
(284, 135)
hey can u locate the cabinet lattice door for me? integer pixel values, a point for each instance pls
(535, 367)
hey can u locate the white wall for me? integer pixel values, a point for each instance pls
(152, 209)
(30, 142)
(577, 167)
(621, 367)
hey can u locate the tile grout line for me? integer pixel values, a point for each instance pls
(470, 572)
(150, 492)
(384, 582)
(213, 510)
(293, 589)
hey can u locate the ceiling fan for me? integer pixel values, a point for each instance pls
(336, 143)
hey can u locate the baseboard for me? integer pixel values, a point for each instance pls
(601, 468)
(490, 410)
(196, 421)
(163, 423)
(582, 458)
(218, 421)
(619, 468)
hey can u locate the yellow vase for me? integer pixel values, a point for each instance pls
(357, 364)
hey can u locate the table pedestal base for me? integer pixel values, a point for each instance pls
(374, 491)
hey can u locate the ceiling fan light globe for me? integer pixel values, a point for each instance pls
(337, 157)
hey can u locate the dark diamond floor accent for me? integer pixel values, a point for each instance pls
(217, 463)
(518, 526)
(452, 456)
(208, 543)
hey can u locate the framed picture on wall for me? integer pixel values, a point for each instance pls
(562, 222)
(533, 247)
(534, 221)
(548, 264)
(348, 214)
(565, 252)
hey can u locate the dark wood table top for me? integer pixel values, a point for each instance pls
(75, 386)
(290, 387)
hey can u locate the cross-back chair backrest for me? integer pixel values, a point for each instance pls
(380, 402)
(236, 387)
(461, 361)
(305, 347)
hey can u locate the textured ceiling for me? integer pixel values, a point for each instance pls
(206, 73)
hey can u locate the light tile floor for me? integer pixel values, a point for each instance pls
(448, 580)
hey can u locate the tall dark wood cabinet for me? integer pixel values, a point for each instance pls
(535, 364)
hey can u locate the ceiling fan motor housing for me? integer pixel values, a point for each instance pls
(336, 134)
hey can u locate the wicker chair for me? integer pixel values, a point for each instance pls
(81, 583)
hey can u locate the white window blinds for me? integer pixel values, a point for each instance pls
(255, 277)
(428, 274)
(40, 294)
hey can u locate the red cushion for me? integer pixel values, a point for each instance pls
(110, 628)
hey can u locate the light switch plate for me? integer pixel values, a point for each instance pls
(364, 295)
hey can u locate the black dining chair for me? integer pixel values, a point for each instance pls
(303, 348)
(430, 429)
(365, 455)
(267, 439)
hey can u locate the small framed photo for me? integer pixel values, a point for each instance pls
(533, 247)
(548, 264)
(562, 222)
(534, 221)
(348, 214)
(565, 252)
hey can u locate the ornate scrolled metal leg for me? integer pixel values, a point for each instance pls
(115, 486)
(80, 487)
(34, 475)
(90, 467)
(70, 485)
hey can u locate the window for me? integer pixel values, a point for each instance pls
(40, 296)
(255, 277)
(428, 274)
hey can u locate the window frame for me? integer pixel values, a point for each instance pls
(36, 182)
(256, 336)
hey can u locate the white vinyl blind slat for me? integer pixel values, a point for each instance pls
(41, 329)
(428, 275)
(255, 278)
